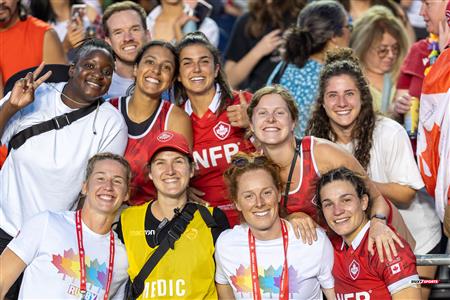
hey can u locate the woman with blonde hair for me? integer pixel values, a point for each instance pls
(380, 42)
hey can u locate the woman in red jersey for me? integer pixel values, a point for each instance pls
(273, 114)
(217, 118)
(344, 202)
(147, 114)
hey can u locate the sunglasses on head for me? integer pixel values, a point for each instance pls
(242, 162)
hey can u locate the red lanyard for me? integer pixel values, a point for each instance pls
(284, 281)
(78, 226)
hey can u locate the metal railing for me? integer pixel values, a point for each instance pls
(433, 260)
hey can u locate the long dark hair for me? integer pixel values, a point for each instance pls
(343, 62)
(199, 38)
(276, 15)
(42, 9)
(317, 23)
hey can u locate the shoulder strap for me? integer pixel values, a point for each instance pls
(207, 216)
(56, 123)
(276, 79)
(178, 227)
(298, 143)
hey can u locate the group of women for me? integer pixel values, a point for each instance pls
(217, 122)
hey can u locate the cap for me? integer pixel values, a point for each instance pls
(169, 140)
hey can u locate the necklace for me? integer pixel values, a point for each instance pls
(67, 97)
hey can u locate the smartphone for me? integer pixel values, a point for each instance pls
(202, 10)
(78, 10)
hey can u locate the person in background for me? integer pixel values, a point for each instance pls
(147, 114)
(379, 41)
(266, 242)
(172, 19)
(273, 115)
(356, 8)
(218, 116)
(253, 48)
(421, 57)
(344, 114)
(321, 25)
(46, 171)
(126, 31)
(71, 28)
(344, 202)
(51, 256)
(187, 269)
(33, 39)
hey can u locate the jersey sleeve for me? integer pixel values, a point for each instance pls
(325, 276)
(115, 133)
(27, 243)
(398, 273)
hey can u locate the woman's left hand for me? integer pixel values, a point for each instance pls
(383, 237)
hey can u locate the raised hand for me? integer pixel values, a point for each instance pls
(269, 42)
(22, 93)
(237, 114)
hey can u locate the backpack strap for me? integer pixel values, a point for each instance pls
(276, 79)
(298, 143)
(56, 123)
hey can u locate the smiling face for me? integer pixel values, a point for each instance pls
(257, 200)
(433, 13)
(342, 102)
(171, 172)
(126, 34)
(106, 188)
(155, 71)
(271, 120)
(197, 71)
(343, 210)
(91, 76)
(382, 55)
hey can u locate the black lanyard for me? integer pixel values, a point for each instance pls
(298, 143)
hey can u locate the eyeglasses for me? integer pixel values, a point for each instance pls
(383, 51)
(242, 162)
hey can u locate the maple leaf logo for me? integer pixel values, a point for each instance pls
(429, 158)
(222, 130)
(242, 282)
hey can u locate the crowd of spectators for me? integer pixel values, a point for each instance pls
(295, 122)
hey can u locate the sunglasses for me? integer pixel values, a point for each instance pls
(242, 162)
(383, 51)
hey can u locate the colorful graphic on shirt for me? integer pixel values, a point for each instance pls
(269, 282)
(69, 266)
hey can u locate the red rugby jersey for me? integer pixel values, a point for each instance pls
(215, 142)
(358, 275)
(142, 188)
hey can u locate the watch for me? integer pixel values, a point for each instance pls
(379, 216)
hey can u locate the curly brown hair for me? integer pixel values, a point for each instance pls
(343, 62)
(274, 15)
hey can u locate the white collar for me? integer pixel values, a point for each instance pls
(213, 106)
(357, 240)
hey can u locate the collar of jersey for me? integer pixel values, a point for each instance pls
(213, 106)
(359, 237)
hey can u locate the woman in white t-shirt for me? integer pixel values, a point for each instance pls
(344, 114)
(271, 260)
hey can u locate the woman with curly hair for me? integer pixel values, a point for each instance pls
(252, 51)
(321, 25)
(344, 114)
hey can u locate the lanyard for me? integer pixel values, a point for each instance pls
(78, 226)
(284, 281)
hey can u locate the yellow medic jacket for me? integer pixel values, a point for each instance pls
(185, 272)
